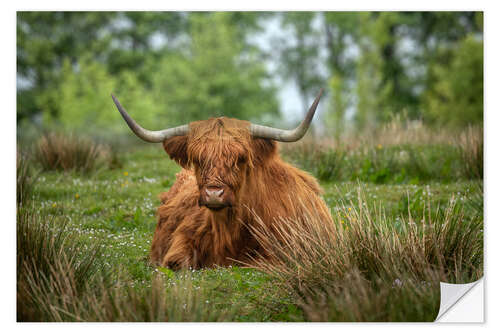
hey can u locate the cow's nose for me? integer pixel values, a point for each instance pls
(214, 192)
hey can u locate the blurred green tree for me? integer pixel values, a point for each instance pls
(299, 56)
(212, 77)
(341, 30)
(368, 75)
(180, 66)
(44, 41)
(431, 33)
(456, 97)
(140, 39)
(395, 88)
(123, 41)
(84, 100)
(184, 66)
(399, 60)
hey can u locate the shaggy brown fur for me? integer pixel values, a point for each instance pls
(222, 151)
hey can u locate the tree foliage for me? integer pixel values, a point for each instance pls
(44, 41)
(299, 54)
(84, 99)
(166, 68)
(400, 62)
(174, 67)
(456, 98)
(210, 77)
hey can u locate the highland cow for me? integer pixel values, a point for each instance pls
(232, 174)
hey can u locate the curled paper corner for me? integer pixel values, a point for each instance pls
(461, 303)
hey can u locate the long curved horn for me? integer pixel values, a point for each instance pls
(265, 132)
(146, 135)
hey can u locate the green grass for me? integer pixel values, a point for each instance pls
(396, 164)
(371, 266)
(115, 210)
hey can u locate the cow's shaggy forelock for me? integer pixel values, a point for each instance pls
(217, 150)
(219, 140)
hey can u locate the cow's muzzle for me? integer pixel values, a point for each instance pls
(215, 197)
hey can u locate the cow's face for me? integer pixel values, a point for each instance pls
(221, 153)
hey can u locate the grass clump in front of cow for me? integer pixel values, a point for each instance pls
(366, 266)
(61, 278)
(52, 266)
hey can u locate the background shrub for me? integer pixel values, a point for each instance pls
(58, 151)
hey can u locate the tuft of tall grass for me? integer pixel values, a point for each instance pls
(472, 152)
(26, 178)
(366, 267)
(51, 264)
(64, 152)
(62, 279)
(401, 131)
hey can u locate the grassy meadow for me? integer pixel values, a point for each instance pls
(407, 206)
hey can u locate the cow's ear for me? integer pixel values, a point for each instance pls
(263, 149)
(176, 148)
